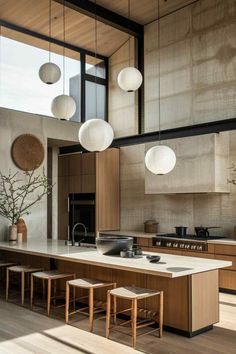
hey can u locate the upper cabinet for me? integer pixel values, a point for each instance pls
(202, 166)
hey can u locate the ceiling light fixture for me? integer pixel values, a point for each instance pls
(49, 73)
(96, 134)
(129, 79)
(160, 159)
(63, 106)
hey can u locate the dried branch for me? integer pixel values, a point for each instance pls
(14, 193)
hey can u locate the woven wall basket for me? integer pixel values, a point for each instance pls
(27, 152)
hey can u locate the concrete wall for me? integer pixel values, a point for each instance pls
(172, 210)
(198, 77)
(198, 65)
(13, 124)
(123, 109)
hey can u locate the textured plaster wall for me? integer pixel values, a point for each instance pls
(14, 123)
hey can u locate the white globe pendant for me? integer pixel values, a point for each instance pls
(160, 159)
(63, 107)
(49, 73)
(129, 79)
(96, 135)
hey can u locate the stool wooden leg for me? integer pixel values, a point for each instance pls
(91, 309)
(161, 314)
(74, 293)
(108, 314)
(7, 284)
(49, 297)
(114, 305)
(31, 291)
(43, 282)
(22, 288)
(134, 322)
(67, 302)
(54, 292)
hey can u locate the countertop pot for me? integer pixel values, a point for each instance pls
(181, 230)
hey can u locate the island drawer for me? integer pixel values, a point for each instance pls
(225, 249)
(227, 279)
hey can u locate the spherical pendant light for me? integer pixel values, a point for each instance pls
(129, 79)
(160, 159)
(49, 73)
(96, 135)
(63, 107)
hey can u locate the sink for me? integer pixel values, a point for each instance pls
(112, 245)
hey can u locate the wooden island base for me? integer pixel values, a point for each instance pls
(191, 303)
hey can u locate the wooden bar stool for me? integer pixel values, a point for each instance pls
(3, 265)
(23, 270)
(134, 294)
(49, 276)
(90, 285)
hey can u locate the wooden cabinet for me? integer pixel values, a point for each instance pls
(90, 173)
(201, 166)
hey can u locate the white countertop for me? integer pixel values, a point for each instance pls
(223, 241)
(171, 266)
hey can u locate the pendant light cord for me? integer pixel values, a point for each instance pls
(64, 39)
(159, 71)
(50, 29)
(96, 48)
(129, 34)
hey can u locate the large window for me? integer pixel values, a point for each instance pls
(21, 89)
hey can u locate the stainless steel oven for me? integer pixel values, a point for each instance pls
(82, 211)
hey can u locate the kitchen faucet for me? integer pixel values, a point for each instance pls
(73, 232)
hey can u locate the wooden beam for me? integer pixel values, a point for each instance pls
(104, 15)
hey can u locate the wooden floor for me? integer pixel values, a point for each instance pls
(23, 331)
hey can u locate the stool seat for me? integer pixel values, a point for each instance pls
(6, 264)
(51, 277)
(51, 274)
(133, 292)
(87, 283)
(24, 269)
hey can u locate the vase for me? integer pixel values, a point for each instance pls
(12, 235)
(22, 229)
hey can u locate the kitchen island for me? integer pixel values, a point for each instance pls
(190, 284)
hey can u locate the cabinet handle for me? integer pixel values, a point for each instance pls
(68, 204)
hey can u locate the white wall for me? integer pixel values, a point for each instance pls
(14, 123)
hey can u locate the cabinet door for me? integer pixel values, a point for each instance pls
(108, 190)
(89, 163)
(75, 164)
(88, 183)
(75, 184)
(63, 165)
(63, 216)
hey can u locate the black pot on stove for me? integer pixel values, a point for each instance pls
(181, 230)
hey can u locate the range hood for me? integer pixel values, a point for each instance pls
(202, 166)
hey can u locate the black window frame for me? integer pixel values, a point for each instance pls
(83, 52)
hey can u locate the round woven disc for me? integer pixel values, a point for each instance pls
(27, 152)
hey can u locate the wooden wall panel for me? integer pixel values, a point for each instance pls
(205, 299)
(108, 190)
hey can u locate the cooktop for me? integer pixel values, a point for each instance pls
(190, 237)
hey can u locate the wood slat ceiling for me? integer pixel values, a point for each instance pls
(144, 11)
(34, 15)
